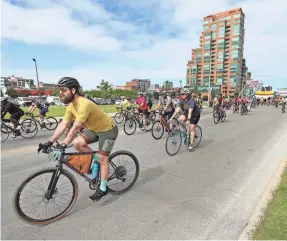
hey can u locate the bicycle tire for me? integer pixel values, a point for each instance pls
(4, 130)
(170, 135)
(30, 120)
(156, 124)
(215, 118)
(135, 160)
(35, 131)
(119, 115)
(55, 120)
(223, 117)
(16, 198)
(200, 130)
(129, 122)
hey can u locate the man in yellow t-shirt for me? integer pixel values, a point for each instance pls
(86, 114)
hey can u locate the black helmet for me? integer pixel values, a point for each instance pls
(69, 82)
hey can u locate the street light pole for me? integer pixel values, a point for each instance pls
(37, 76)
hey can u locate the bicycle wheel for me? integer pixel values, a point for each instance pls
(30, 123)
(130, 126)
(198, 136)
(175, 140)
(121, 171)
(223, 116)
(51, 123)
(28, 128)
(216, 118)
(24, 215)
(4, 133)
(119, 118)
(157, 130)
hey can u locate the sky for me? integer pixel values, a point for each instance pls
(118, 40)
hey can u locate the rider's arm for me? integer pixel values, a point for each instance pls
(191, 107)
(82, 116)
(62, 126)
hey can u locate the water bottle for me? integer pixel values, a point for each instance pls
(95, 167)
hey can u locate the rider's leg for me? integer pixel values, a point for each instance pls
(193, 123)
(106, 143)
(182, 120)
(41, 117)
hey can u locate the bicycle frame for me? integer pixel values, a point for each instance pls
(62, 162)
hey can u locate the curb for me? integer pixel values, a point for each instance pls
(267, 196)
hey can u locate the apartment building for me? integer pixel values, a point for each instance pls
(219, 60)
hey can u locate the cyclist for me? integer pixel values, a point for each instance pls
(97, 123)
(190, 115)
(43, 109)
(165, 102)
(12, 107)
(143, 106)
(125, 103)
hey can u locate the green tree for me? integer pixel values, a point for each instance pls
(56, 92)
(106, 89)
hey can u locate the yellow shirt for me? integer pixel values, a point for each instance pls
(90, 115)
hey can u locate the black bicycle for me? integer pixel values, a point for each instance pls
(218, 115)
(243, 109)
(53, 192)
(50, 123)
(130, 124)
(25, 130)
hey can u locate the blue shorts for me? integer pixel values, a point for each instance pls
(43, 112)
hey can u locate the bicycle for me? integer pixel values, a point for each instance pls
(243, 109)
(283, 107)
(133, 119)
(122, 114)
(7, 129)
(176, 136)
(218, 115)
(49, 121)
(161, 124)
(51, 191)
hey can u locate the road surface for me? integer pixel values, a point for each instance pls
(209, 193)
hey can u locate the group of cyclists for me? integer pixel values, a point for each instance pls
(11, 106)
(86, 115)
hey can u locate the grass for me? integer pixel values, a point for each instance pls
(274, 225)
(55, 111)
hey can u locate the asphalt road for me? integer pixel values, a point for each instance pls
(209, 193)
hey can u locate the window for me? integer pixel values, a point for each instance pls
(221, 33)
(205, 27)
(235, 54)
(220, 56)
(206, 80)
(219, 68)
(206, 69)
(237, 15)
(206, 22)
(219, 80)
(213, 35)
(213, 27)
(235, 67)
(236, 29)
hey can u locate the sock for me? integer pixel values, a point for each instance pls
(103, 186)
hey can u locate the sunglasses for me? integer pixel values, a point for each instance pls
(183, 94)
(64, 89)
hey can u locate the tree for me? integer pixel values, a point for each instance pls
(12, 93)
(106, 89)
(56, 92)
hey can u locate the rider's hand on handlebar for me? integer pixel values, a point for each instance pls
(56, 154)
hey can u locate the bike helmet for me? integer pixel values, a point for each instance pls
(184, 91)
(69, 82)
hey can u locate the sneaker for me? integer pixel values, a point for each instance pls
(190, 147)
(98, 195)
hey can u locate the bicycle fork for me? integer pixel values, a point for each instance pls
(53, 183)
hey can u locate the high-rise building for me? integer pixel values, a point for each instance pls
(219, 60)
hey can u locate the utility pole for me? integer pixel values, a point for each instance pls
(37, 76)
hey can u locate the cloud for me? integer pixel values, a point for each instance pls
(144, 39)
